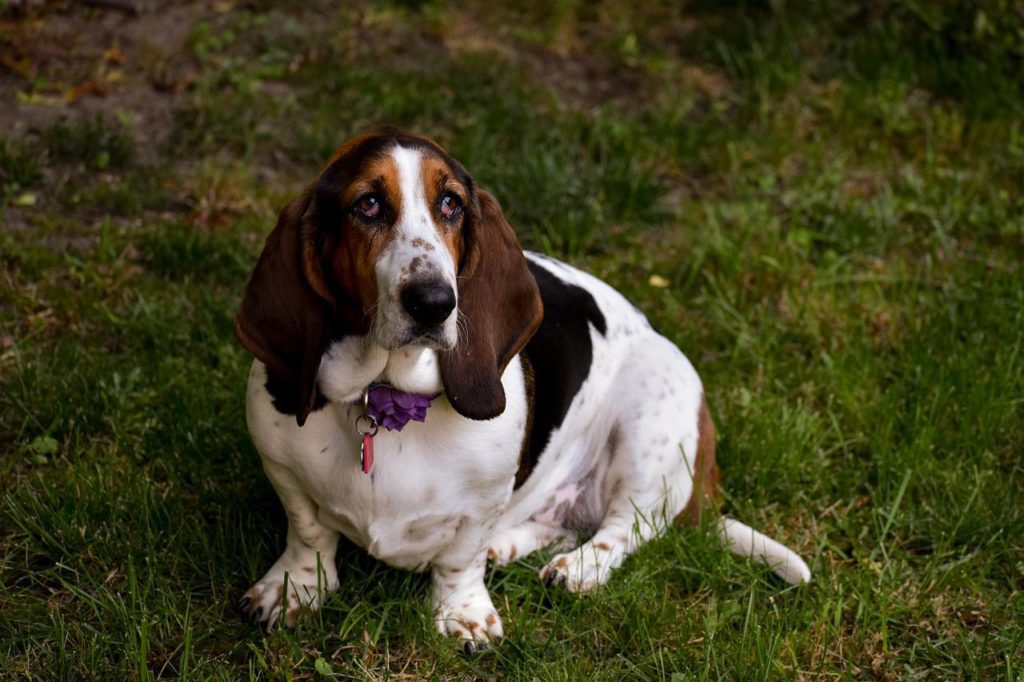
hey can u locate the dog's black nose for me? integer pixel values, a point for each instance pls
(429, 303)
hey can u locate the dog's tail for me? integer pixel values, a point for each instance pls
(743, 540)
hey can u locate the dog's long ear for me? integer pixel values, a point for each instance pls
(285, 315)
(499, 309)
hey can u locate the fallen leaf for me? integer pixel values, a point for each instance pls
(84, 89)
(44, 445)
(113, 55)
(18, 66)
(323, 667)
(174, 86)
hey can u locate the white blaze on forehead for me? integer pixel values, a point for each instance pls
(410, 181)
(415, 222)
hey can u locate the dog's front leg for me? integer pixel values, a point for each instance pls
(462, 606)
(306, 571)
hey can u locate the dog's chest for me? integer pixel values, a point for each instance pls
(430, 484)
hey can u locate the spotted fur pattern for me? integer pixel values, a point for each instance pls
(613, 460)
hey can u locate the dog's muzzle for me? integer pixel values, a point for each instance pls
(428, 303)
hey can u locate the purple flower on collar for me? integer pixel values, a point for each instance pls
(393, 409)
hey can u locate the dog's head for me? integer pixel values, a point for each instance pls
(393, 241)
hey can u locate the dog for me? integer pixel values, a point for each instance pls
(424, 387)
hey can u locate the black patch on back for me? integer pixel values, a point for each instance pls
(561, 354)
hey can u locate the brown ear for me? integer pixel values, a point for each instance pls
(284, 320)
(499, 310)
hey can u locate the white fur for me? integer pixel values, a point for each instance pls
(440, 496)
(745, 541)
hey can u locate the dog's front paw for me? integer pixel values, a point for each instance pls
(264, 603)
(475, 623)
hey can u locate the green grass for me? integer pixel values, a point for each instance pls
(98, 143)
(832, 195)
(18, 169)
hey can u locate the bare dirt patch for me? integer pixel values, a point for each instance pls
(68, 62)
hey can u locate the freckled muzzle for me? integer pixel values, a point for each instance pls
(428, 303)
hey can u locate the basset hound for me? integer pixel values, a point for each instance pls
(440, 397)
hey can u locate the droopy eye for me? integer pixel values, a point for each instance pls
(450, 205)
(368, 206)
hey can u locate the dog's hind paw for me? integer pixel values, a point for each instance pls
(583, 569)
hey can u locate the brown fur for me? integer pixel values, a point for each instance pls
(500, 303)
(283, 320)
(705, 475)
(358, 249)
(437, 179)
